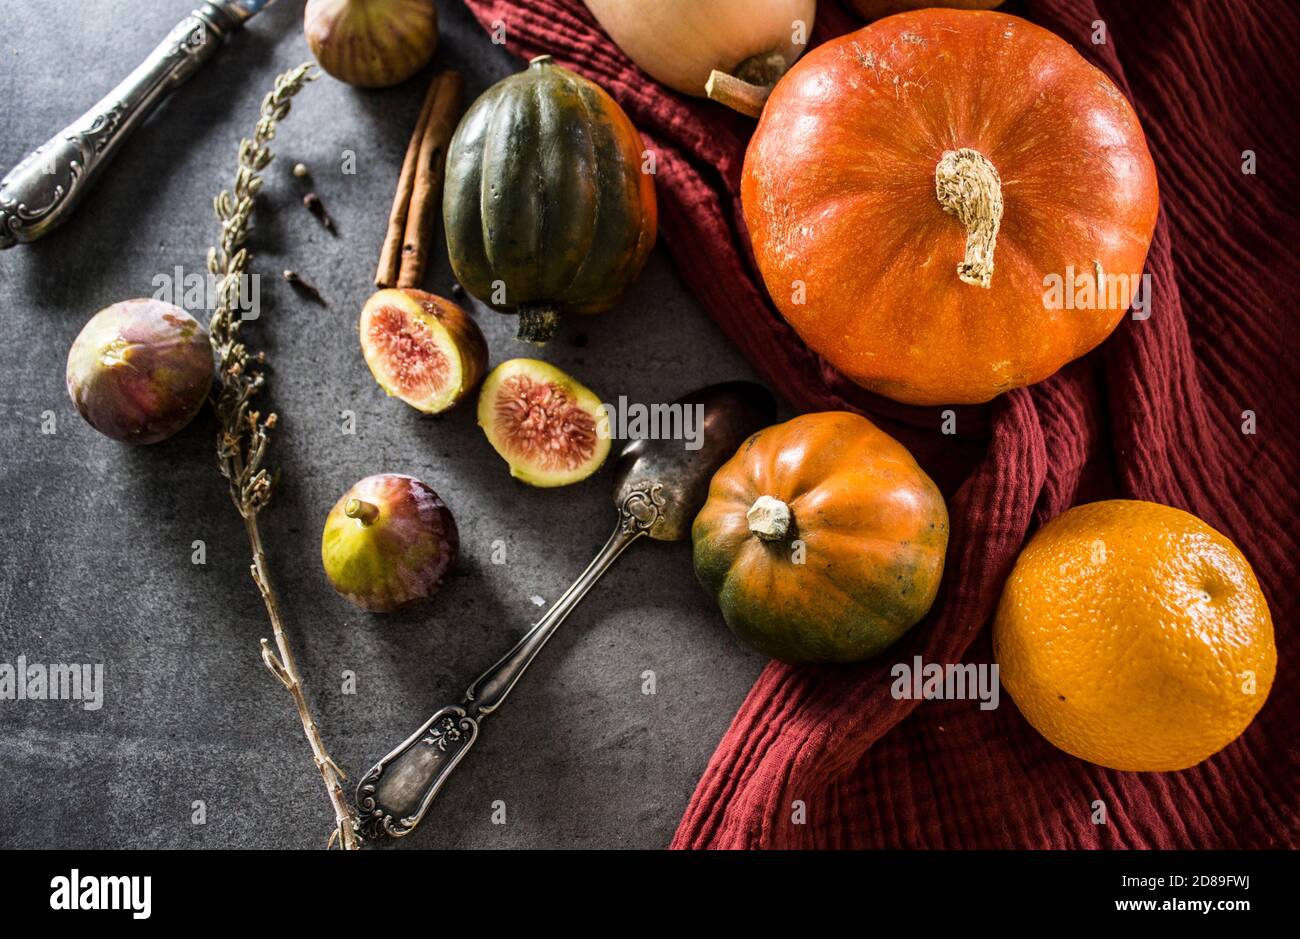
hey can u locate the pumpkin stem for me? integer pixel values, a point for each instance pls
(746, 87)
(537, 323)
(968, 186)
(364, 512)
(769, 518)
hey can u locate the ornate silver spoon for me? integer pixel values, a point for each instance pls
(659, 486)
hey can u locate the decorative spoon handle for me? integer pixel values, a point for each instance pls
(40, 192)
(396, 792)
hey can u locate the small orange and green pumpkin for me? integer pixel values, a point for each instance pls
(822, 540)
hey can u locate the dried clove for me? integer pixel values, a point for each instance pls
(317, 208)
(304, 286)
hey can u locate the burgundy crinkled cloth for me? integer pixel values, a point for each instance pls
(1155, 413)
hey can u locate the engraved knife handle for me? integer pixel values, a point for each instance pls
(397, 791)
(41, 191)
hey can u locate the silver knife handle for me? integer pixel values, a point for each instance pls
(396, 792)
(41, 191)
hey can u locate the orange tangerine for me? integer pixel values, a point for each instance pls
(1135, 636)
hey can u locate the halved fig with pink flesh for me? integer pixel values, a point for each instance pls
(421, 348)
(549, 428)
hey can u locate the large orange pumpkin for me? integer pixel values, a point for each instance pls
(821, 539)
(948, 204)
(875, 9)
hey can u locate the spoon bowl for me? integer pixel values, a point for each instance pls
(725, 416)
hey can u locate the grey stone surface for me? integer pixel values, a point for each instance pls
(95, 562)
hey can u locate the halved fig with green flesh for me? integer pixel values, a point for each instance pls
(421, 348)
(549, 428)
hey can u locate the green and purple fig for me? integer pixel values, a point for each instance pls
(140, 370)
(388, 542)
(372, 43)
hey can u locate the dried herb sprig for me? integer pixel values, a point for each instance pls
(243, 435)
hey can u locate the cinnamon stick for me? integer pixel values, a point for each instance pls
(390, 258)
(426, 192)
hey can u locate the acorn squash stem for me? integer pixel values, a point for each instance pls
(537, 323)
(769, 518)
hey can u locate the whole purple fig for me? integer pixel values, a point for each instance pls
(388, 542)
(372, 43)
(140, 370)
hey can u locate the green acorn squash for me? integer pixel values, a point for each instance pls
(546, 207)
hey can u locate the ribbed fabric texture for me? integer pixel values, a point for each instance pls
(1155, 413)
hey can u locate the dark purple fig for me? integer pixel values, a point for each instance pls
(140, 370)
(388, 542)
